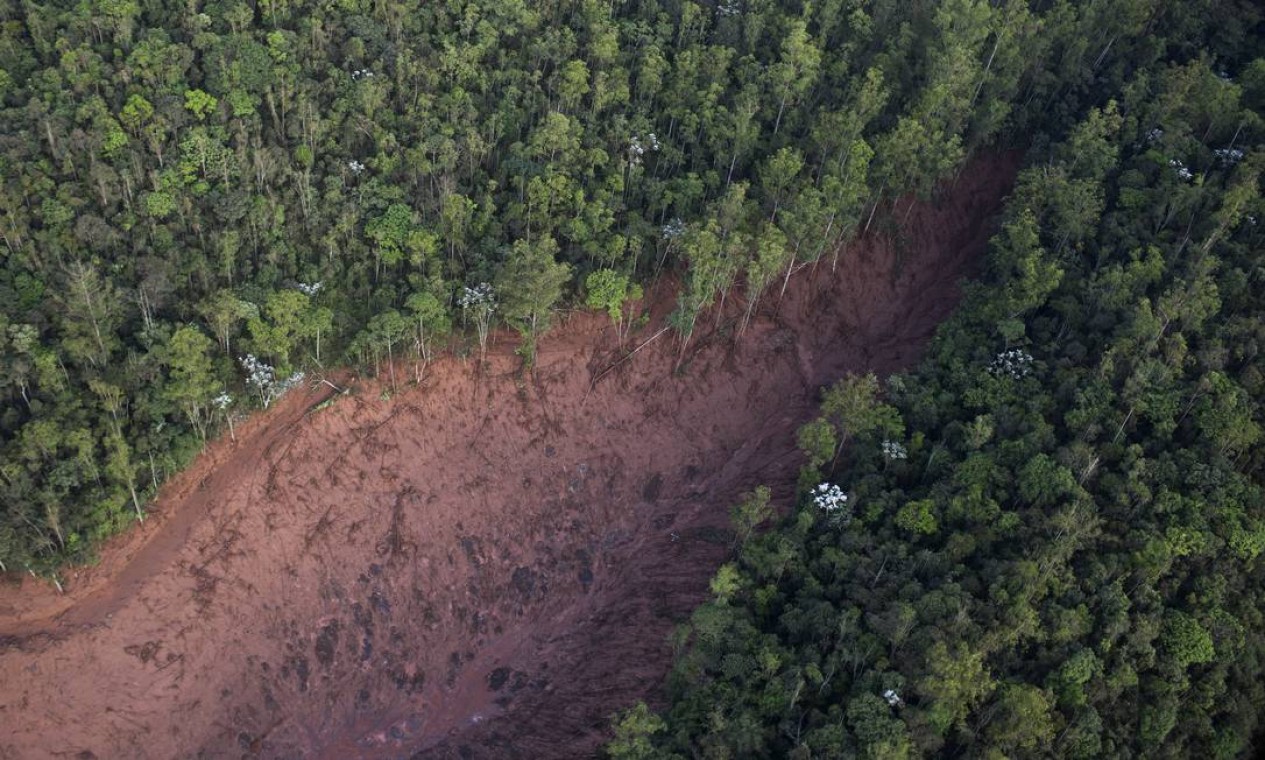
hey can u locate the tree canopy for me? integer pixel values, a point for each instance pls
(1055, 522)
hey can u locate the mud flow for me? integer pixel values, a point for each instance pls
(483, 565)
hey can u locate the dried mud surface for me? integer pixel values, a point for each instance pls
(485, 565)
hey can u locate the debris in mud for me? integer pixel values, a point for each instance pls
(470, 546)
(586, 568)
(497, 678)
(327, 642)
(298, 665)
(650, 491)
(525, 581)
(409, 682)
(144, 652)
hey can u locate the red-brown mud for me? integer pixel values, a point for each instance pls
(486, 565)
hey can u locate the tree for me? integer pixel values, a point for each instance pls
(778, 176)
(818, 440)
(610, 291)
(918, 517)
(957, 680)
(1224, 415)
(634, 730)
(480, 303)
(530, 283)
(199, 103)
(573, 84)
(320, 319)
(726, 583)
(1023, 719)
(456, 218)
(703, 248)
(397, 238)
(91, 315)
(795, 73)
(192, 383)
(750, 512)
(770, 258)
(879, 732)
(120, 468)
(1185, 640)
(286, 320)
(432, 322)
(852, 407)
(1031, 274)
(223, 312)
(385, 331)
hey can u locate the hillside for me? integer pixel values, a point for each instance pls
(482, 377)
(487, 562)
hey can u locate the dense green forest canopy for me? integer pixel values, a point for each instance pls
(1046, 540)
(200, 201)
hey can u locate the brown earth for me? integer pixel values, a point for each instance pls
(485, 565)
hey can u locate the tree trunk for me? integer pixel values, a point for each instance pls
(778, 123)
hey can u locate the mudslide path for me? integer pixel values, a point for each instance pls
(488, 564)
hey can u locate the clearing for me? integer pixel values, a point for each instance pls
(485, 565)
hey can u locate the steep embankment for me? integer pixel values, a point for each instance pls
(481, 566)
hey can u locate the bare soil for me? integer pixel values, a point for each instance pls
(488, 564)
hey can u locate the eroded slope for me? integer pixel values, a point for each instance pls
(485, 565)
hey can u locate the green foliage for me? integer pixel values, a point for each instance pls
(530, 284)
(850, 409)
(955, 683)
(880, 735)
(917, 517)
(1185, 640)
(818, 441)
(157, 172)
(1066, 561)
(432, 320)
(726, 583)
(610, 291)
(193, 381)
(634, 729)
(1024, 721)
(285, 320)
(752, 511)
(199, 103)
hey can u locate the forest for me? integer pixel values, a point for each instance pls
(199, 207)
(1046, 539)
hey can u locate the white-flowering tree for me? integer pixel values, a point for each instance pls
(222, 402)
(479, 304)
(259, 376)
(831, 500)
(263, 378)
(1015, 363)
